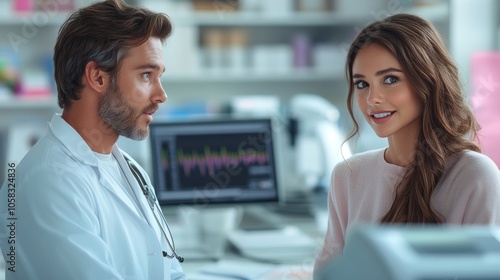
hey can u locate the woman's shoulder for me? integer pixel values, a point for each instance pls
(471, 164)
(476, 161)
(361, 160)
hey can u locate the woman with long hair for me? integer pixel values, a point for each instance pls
(407, 88)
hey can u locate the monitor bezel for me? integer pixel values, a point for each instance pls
(165, 203)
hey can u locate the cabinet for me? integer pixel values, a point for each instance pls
(271, 52)
(274, 47)
(261, 61)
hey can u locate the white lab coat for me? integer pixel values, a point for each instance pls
(72, 222)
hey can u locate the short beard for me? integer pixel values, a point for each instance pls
(119, 115)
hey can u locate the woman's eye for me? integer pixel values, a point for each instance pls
(360, 84)
(391, 80)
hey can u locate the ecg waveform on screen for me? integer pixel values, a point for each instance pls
(211, 160)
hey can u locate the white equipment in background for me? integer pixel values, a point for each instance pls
(316, 146)
(310, 145)
(319, 145)
(319, 139)
(415, 253)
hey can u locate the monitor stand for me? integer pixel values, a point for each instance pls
(266, 236)
(201, 232)
(257, 217)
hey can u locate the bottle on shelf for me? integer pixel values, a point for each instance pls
(213, 44)
(301, 51)
(237, 50)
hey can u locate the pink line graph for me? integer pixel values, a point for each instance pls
(210, 161)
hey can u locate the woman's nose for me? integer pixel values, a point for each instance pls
(375, 96)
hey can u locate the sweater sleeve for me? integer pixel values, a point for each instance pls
(481, 178)
(334, 239)
(469, 192)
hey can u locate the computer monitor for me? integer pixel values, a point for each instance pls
(214, 162)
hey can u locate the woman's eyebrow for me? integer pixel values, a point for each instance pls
(379, 73)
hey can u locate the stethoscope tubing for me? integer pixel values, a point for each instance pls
(153, 202)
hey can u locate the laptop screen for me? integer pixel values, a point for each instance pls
(214, 162)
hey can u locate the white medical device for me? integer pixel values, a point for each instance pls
(423, 253)
(319, 141)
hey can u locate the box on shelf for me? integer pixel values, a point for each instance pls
(215, 6)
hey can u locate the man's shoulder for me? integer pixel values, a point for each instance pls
(39, 154)
(47, 156)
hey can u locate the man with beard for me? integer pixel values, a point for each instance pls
(79, 207)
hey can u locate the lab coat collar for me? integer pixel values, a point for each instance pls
(80, 151)
(143, 203)
(118, 154)
(72, 141)
(120, 193)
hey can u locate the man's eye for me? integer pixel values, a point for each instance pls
(360, 84)
(146, 75)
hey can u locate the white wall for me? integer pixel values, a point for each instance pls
(473, 27)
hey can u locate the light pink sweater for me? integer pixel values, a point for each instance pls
(362, 191)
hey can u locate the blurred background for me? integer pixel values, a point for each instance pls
(280, 58)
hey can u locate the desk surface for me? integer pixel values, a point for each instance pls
(298, 269)
(280, 217)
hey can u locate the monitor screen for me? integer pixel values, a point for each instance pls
(214, 162)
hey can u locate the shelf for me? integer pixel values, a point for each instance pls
(260, 19)
(38, 19)
(227, 18)
(227, 77)
(17, 103)
(433, 13)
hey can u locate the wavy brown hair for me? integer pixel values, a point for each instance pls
(448, 126)
(102, 32)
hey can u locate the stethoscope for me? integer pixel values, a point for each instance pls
(152, 201)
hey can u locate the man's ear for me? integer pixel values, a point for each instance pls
(96, 78)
